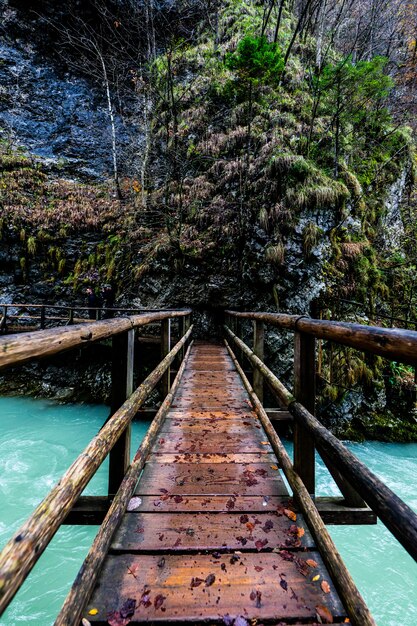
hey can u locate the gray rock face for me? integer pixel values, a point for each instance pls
(58, 117)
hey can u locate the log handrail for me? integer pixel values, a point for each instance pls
(391, 343)
(397, 516)
(27, 544)
(16, 349)
(83, 585)
(349, 593)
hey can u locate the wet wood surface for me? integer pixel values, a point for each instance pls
(211, 533)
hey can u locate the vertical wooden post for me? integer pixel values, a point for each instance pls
(122, 388)
(3, 322)
(42, 317)
(305, 393)
(71, 317)
(165, 348)
(258, 348)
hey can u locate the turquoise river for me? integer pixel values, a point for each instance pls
(40, 439)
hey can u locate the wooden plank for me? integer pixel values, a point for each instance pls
(90, 510)
(216, 478)
(182, 532)
(225, 503)
(218, 442)
(207, 457)
(210, 425)
(240, 414)
(205, 587)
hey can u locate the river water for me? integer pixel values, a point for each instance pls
(39, 440)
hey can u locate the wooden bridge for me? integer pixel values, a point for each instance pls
(199, 526)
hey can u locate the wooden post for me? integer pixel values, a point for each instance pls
(165, 348)
(42, 317)
(258, 348)
(305, 393)
(71, 317)
(122, 388)
(3, 320)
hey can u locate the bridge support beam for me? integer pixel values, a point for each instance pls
(305, 393)
(258, 349)
(122, 388)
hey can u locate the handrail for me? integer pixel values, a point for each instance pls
(27, 544)
(397, 516)
(349, 593)
(15, 349)
(79, 307)
(392, 343)
(83, 585)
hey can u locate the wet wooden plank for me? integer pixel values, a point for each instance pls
(182, 532)
(211, 479)
(202, 587)
(211, 504)
(240, 414)
(206, 457)
(232, 427)
(218, 442)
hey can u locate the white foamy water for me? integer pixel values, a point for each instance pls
(38, 442)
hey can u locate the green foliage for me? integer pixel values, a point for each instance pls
(256, 59)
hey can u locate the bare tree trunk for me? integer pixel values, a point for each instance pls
(112, 123)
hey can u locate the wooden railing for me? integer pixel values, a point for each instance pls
(19, 316)
(356, 482)
(27, 544)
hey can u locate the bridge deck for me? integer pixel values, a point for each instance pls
(211, 536)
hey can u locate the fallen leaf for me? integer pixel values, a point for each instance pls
(300, 531)
(210, 580)
(159, 600)
(274, 467)
(196, 582)
(260, 544)
(347, 621)
(325, 586)
(311, 563)
(315, 578)
(134, 503)
(93, 612)
(324, 614)
(283, 584)
(250, 526)
(290, 514)
(264, 443)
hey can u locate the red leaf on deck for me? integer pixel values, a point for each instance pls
(324, 614)
(283, 584)
(244, 519)
(269, 524)
(196, 582)
(325, 586)
(210, 580)
(260, 543)
(159, 600)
